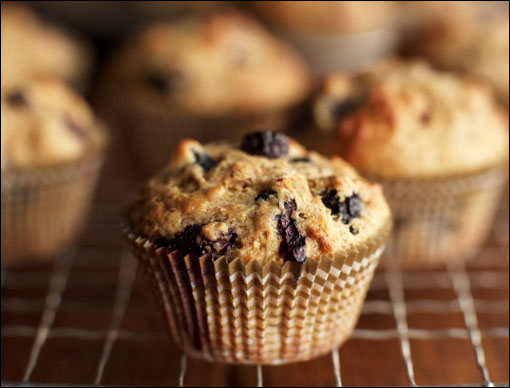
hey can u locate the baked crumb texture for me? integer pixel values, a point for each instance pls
(267, 199)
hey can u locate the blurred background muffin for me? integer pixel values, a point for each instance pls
(439, 145)
(110, 20)
(334, 35)
(31, 47)
(52, 149)
(467, 37)
(214, 76)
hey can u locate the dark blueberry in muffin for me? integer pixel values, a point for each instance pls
(166, 82)
(16, 98)
(205, 161)
(300, 160)
(292, 246)
(353, 206)
(348, 209)
(425, 117)
(264, 195)
(399, 221)
(266, 143)
(353, 230)
(219, 247)
(76, 128)
(340, 109)
(331, 201)
(191, 241)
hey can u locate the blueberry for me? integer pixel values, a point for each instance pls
(79, 130)
(264, 195)
(300, 160)
(166, 82)
(425, 117)
(190, 241)
(348, 209)
(266, 143)
(340, 109)
(353, 230)
(16, 98)
(331, 201)
(205, 161)
(353, 206)
(292, 246)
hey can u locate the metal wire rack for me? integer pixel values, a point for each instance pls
(85, 320)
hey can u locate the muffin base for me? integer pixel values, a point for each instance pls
(43, 209)
(440, 221)
(252, 314)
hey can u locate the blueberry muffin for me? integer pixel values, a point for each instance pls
(208, 77)
(33, 48)
(51, 151)
(334, 34)
(464, 37)
(222, 225)
(437, 142)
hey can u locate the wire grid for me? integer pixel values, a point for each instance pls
(101, 263)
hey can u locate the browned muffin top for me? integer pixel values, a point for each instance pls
(45, 123)
(406, 120)
(268, 199)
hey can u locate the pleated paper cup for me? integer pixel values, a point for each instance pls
(240, 313)
(329, 52)
(43, 209)
(440, 221)
(153, 132)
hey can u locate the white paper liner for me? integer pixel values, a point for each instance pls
(443, 220)
(43, 209)
(259, 314)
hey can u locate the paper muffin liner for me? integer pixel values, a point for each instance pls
(251, 313)
(440, 221)
(153, 132)
(43, 209)
(329, 52)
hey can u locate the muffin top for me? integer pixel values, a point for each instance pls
(462, 37)
(404, 120)
(326, 16)
(32, 48)
(268, 199)
(210, 65)
(45, 123)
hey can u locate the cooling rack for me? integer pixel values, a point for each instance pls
(87, 319)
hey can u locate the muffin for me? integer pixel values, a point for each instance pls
(260, 253)
(438, 144)
(464, 37)
(209, 77)
(51, 152)
(334, 34)
(32, 48)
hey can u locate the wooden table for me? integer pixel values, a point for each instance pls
(87, 319)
